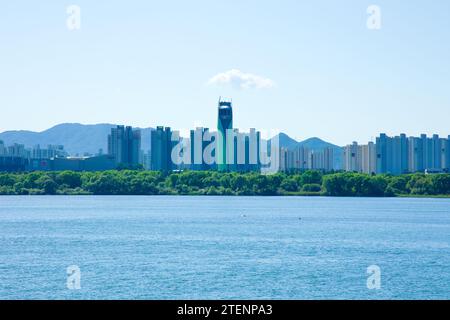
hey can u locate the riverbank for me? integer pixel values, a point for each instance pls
(308, 183)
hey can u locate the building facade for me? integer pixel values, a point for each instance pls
(399, 155)
(352, 158)
(301, 159)
(161, 149)
(124, 143)
(224, 124)
(368, 158)
(200, 158)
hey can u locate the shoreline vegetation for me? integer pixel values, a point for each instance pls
(308, 183)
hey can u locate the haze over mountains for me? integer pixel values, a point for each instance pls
(79, 138)
(314, 144)
(311, 143)
(76, 138)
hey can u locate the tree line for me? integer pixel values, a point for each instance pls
(140, 182)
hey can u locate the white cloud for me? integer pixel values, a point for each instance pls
(241, 80)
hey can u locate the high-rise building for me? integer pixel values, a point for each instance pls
(436, 145)
(415, 154)
(124, 144)
(443, 153)
(316, 160)
(247, 155)
(242, 151)
(399, 155)
(392, 154)
(328, 159)
(427, 152)
(52, 151)
(383, 149)
(224, 123)
(199, 142)
(301, 158)
(2, 148)
(352, 158)
(17, 150)
(368, 158)
(447, 154)
(161, 149)
(360, 158)
(284, 159)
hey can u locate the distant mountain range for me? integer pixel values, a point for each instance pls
(79, 138)
(315, 144)
(311, 143)
(76, 138)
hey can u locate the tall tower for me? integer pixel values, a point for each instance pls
(225, 122)
(124, 143)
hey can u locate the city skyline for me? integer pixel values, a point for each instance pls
(271, 133)
(229, 149)
(185, 132)
(308, 69)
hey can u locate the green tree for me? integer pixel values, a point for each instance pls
(441, 184)
(312, 187)
(289, 184)
(69, 178)
(46, 184)
(311, 177)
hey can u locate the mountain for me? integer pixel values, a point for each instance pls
(80, 138)
(311, 143)
(315, 144)
(76, 138)
(286, 141)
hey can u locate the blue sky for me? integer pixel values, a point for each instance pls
(148, 63)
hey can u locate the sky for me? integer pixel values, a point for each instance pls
(307, 68)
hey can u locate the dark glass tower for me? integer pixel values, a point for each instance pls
(225, 122)
(124, 143)
(161, 149)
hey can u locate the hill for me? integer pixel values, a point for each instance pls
(314, 143)
(76, 138)
(80, 138)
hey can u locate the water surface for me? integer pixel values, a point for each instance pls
(174, 247)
